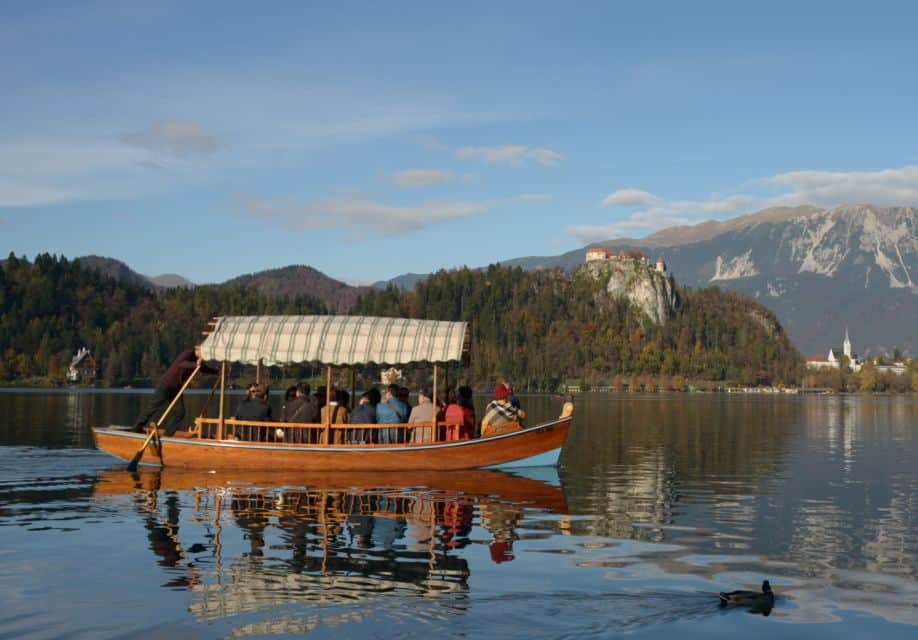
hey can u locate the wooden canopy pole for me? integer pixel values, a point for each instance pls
(436, 406)
(328, 408)
(353, 398)
(220, 424)
(258, 372)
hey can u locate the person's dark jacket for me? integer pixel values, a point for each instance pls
(252, 409)
(180, 370)
(363, 414)
(302, 409)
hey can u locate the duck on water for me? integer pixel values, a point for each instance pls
(756, 601)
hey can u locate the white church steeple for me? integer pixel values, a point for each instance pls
(846, 345)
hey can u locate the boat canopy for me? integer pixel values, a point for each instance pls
(334, 340)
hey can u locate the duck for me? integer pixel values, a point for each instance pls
(755, 601)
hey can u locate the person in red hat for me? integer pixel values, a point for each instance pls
(500, 415)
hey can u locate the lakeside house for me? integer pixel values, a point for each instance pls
(83, 367)
(895, 368)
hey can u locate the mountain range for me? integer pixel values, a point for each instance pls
(120, 271)
(822, 271)
(295, 280)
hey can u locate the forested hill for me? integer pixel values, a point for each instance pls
(296, 279)
(544, 327)
(540, 328)
(51, 307)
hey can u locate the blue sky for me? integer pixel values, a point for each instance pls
(373, 139)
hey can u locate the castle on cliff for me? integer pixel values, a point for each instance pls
(598, 254)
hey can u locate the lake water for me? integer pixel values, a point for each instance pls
(660, 503)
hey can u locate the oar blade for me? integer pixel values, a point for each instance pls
(132, 465)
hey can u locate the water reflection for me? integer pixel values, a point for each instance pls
(662, 501)
(276, 540)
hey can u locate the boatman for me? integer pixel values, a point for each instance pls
(169, 384)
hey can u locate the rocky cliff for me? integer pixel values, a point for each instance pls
(820, 270)
(649, 291)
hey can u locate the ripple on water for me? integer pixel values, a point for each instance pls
(651, 523)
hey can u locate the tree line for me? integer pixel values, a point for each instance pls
(545, 328)
(542, 329)
(52, 306)
(869, 379)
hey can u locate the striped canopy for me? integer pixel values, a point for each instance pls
(333, 340)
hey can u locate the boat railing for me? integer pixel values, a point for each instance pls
(356, 435)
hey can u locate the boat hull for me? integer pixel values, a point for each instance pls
(538, 445)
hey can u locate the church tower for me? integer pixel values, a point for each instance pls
(846, 346)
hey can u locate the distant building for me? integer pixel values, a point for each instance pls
(83, 367)
(833, 361)
(598, 254)
(896, 368)
(594, 254)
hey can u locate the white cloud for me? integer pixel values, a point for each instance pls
(533, 197)
(889, 187)
(421, 177)
(657, 213)
(509, 154)
(37, 159)
(37, 172)
(717, 207)
(636, 225)
(355, 212)
(630, 198)
(175, 138)
(545, 157)
(17, 194)
(885, 188)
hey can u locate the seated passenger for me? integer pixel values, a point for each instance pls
(391, 411)
(511, 397)
(459, 410)
(338, 413)
(302, 409)
(424, 412)
(500, 416)
(255, 408)
(289, 396)
(363, 413)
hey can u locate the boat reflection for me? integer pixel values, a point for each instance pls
(269, 540)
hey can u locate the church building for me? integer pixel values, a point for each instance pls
(833, 361)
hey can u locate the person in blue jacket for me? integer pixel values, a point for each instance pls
(392, 411)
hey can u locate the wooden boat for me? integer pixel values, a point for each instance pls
(225, 443)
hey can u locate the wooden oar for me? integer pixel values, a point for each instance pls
(132, 465)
